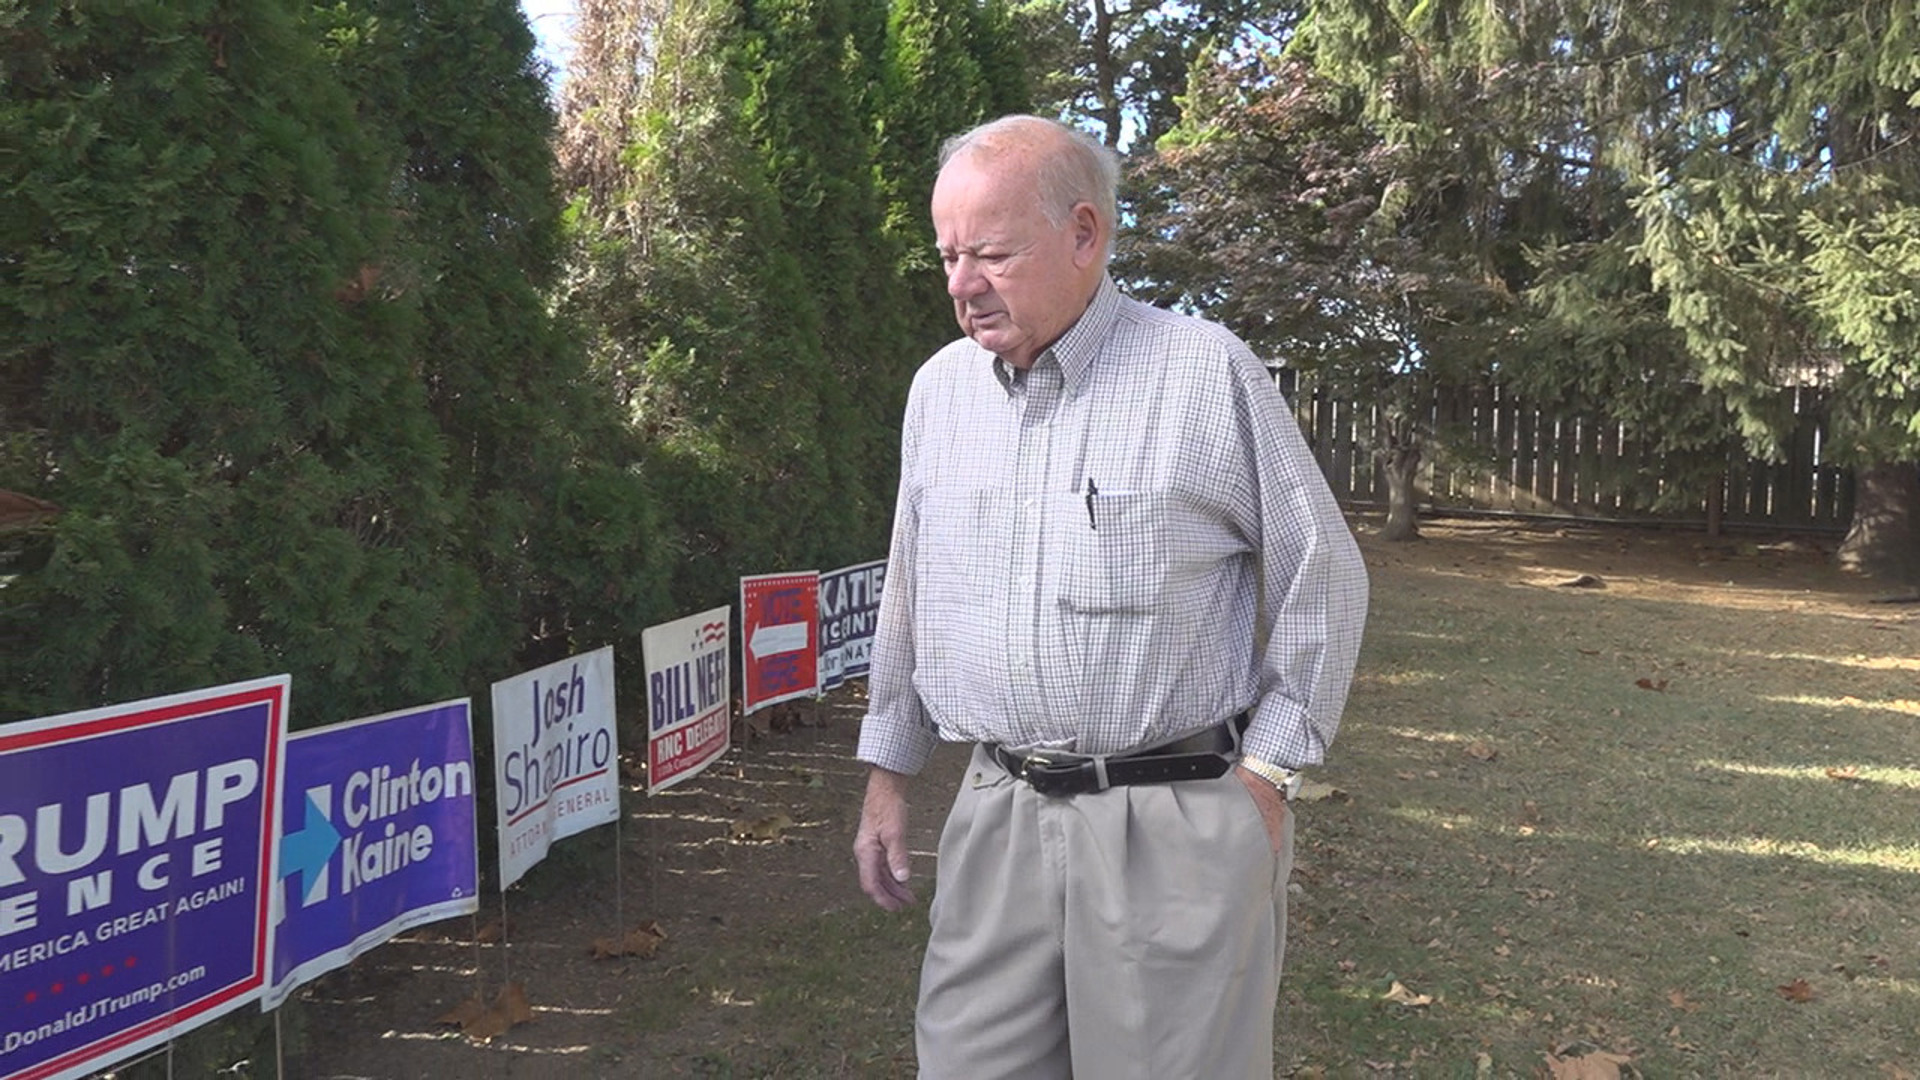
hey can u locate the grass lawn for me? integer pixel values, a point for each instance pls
(1663, 825)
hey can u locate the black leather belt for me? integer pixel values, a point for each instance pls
(1203, 755)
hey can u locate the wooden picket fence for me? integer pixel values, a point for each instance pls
(1513, 458)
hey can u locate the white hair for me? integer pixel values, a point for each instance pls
(1072, 167)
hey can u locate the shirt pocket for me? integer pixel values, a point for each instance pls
(1118, 561)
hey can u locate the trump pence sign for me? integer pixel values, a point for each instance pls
(136, 858)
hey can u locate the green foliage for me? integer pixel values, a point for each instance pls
(251, 482)
(1274, 210)
(749, 220)
(275, 340)
(1746, 171)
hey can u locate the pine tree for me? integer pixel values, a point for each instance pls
(1749, 171)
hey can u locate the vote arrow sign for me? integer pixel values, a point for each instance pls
(779, 638)
(772, 640)
(306, 852)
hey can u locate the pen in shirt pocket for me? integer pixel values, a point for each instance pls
(1091, 492)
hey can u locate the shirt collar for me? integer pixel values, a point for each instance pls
(1076, 349)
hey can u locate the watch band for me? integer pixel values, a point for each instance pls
(1286, 780)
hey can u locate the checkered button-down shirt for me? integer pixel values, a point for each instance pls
(1080, 552)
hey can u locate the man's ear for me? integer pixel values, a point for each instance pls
(1088, 241)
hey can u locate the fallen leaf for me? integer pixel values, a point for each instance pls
(1315, 791)
(464, 1013)
(487, 1020)
(1583, 581)
(1406, 775)
(642, 942)
(1480, 750)
(1679, 1001)
(763, 828)
(1651, 684)
(1796, 991)
(1849, 773)
(1895, 1072)
(492, 933)
(1598, 1065)
(513, 1002)
(1347, 965)
(1400, 995)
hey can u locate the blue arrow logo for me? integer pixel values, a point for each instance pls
(306, 852)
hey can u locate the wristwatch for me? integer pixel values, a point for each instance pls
(1287, 781)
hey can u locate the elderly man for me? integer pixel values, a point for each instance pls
(1117, 570)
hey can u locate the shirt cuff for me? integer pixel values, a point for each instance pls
(893, 746)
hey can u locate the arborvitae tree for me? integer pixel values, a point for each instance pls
(686, 284)
(198, 369)
(949, 65)
(741, 259)
(555, 518)
(805, 113)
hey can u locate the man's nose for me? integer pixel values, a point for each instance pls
(964, 278)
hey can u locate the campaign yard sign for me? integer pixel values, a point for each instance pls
(554, 751)
(779, 638)
(136, 854)
(849, 611)
(689, 714)
(377, 835)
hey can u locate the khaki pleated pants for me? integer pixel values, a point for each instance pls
(1133, 933)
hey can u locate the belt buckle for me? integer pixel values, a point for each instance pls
(1052, 777)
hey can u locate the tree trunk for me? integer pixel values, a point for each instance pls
(1884, 539)
(1401, 463)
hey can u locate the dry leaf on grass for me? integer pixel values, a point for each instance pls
(492, 933)
(483, 1020)
(1849, 773)
(1680, 1001)
(1583, 581)
(464, 1013)
(642, 942)
(1598, 1065)
(1797, 991)
(1651, 684)
(1480, 750)
(762, 828)
(1315, 791)
(1400, 995)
